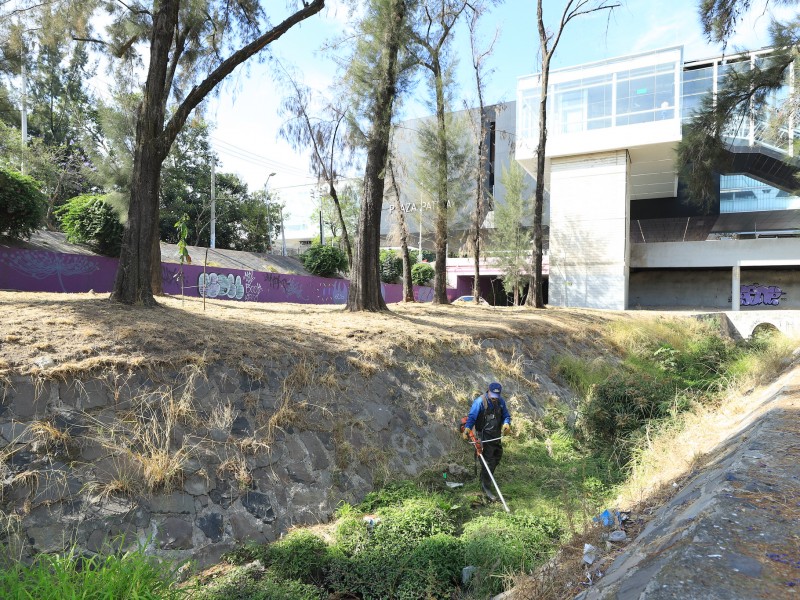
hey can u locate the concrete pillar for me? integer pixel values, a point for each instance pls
(589, 223)
(736, 288)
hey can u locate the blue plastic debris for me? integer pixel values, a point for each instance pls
(606, 518)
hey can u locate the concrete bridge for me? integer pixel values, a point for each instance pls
(741, 324)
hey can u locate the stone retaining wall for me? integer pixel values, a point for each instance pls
(195, 461)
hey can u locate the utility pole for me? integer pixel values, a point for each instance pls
(269, 218)
(213, 207)
(283, 234)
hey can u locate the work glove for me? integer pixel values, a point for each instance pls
(506, 429)
(466, 433)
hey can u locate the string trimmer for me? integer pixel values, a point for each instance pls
(479, 451)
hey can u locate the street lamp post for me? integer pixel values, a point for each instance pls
(269, 220)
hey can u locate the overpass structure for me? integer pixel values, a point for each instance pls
(623, 230)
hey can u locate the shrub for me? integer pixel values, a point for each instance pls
(427, 568)
(391, 266)
(300, 555)
(421, 273)
(413, 520)
(624, 402)
(324, 261)
(253, 582)
(433, 568)
(504, 543)
(22, 204)
(90, 219)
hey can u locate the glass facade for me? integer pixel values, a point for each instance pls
(769, 126)
(740, 193)
(616, 93)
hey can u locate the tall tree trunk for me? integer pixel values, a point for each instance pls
(408, 284)
(440, 276)
(139, 272)
(365, 281)
(478, 214)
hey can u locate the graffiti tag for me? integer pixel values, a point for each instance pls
(214, 285)
(252, 289)
(275, 281)
(755, 294)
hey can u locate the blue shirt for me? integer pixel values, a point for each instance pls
(477, 408)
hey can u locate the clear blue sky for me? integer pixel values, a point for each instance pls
(246, 112)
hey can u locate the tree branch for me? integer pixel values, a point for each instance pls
(200, 91)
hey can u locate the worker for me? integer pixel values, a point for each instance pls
(489, 419)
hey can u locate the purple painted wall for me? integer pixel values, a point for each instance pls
(43, 271)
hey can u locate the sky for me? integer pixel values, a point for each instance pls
(246, 113)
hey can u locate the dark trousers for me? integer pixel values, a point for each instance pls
(492, 453)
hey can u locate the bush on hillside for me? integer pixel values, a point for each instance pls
(503, 543)
(91, 219)
(22, 204)
(623, 403)
(324, 261)
(301, 555)
(253, 582)
(421, 274)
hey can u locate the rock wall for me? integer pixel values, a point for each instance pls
(197, 460)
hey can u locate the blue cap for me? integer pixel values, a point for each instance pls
(495, 389)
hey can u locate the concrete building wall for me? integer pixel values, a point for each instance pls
(589, 231)
(722, 253)
(711, 288)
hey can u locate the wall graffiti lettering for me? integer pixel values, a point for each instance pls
(213, 285)
(252, 289)
(335, 293)
(755, 294)
(277, 281)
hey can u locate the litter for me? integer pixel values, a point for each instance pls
(453, 484)
(589, 554)
(608, 518)
(617, 536)
(467, 573)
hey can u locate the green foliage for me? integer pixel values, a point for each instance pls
(503, 543)
(427, 256)
(624, 402)
(22, 205)
(421, 274)
(183, 231)
(300, 555)
(324, 261)
(246, 553)
(92, 220)
(252, 582)
(432, 568)
(70, 575)
(392, 494)
(410, 521)
(511, 243)
(391, 265)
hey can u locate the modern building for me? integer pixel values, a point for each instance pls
(623, 232)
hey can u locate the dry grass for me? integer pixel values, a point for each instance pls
(682, 444)
(180, 333)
